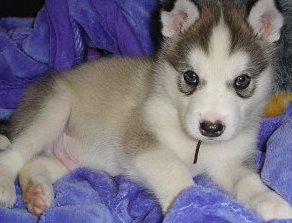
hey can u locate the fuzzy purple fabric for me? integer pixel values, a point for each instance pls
(277, 168)
(88, 196)
(207, 203)
(58, 39)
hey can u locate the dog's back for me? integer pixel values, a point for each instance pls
(95, 91)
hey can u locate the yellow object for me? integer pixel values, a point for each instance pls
(278, 104)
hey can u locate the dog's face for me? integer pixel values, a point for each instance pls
(216, 64)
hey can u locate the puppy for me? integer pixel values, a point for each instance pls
(144, 118)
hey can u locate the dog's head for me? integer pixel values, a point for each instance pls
(215, 64)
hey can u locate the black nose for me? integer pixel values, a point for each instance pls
(212, 129)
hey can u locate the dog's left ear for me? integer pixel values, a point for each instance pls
(266, 19)
(177, 16)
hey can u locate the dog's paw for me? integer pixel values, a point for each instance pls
(271, 206)
(38, 195)
(7, 192)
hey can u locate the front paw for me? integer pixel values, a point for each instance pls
(7, 192)
(271, 206)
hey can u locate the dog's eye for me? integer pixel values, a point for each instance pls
(191, 78)
(242, 82)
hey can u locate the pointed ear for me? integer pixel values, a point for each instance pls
(266, 19)
(180, 16)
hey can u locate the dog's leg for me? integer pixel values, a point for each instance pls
(36, 180)
(248, 188)
(4, 142)
(164, 174)
(43, 130)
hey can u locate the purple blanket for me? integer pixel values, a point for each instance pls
(274, 161)
(88, 196)
(63, 34)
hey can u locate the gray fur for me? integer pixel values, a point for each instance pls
(283, 59)
(283, 56)
(30, 105)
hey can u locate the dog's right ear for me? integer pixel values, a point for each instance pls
(177, 16)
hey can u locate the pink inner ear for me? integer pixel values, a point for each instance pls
(266, 26)
(178, 21)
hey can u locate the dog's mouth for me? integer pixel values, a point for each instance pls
(205, 139)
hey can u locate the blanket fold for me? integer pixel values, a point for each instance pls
(88, 196)
(63, 34)
(59, 36)
(277, 169)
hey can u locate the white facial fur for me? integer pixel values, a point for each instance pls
(216, 100)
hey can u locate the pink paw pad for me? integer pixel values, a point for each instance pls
(34, 199)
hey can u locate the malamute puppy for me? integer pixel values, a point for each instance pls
(145, 118)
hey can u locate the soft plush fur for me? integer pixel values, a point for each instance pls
(143, 118)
